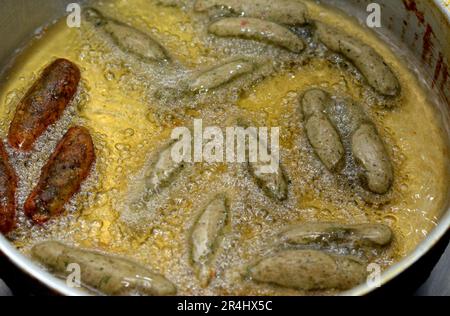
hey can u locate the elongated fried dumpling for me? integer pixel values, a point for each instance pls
(321, 133)
(309, 270)
(127, 38)
(292, 12)
(259, 30)
(373, 67)
(357, 235)
(108, 274)
(205, 235)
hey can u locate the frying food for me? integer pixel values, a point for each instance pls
(371, 155)
(163, 171)
(272, 180)
(259, 30)
(62, 176)
(357, 235)
(107, 274)
(368, 149)
(375, 167)
(221, 74)
(274, 184)
(291, 12)
(44, 103)
(8, 184)
(365, 58)
(128, 39)
(205, 236)
(309, 270)
(321, 133)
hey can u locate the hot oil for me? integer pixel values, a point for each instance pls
(116, 102)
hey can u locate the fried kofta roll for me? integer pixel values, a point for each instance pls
(62, 176)
(43, 104)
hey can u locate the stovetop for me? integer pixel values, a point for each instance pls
(438, 283)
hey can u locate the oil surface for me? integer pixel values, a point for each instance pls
(121, 101)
